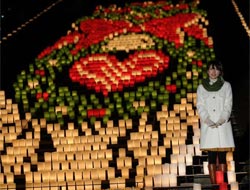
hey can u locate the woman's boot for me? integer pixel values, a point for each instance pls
(212, 173)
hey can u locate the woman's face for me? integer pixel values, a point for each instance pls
(213, 72)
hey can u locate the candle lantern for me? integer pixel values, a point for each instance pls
(231, 176)
(165, 180)
(229, 156)
(181, 158)
(196, 186)
(175, 149)
(183, 107)
(167, 142)
(172, 180)
(183, 149)
(148, 181)
(231, 165)
(183, 114)
(182, 140)
(139, 181)
(157, 180)
(219, 177)
(173, 168)
(190, 149)
(181, 169)
(189, 159)
(175, 140)
(197, 150)
(234, 186)
(189, 97)
(177, 108)
(184, 126)
(174, 158)
(142, 121)
(196, 140)
(170, 126)
(205, 168)
(223, 186)
(165, 168)
(197, 132)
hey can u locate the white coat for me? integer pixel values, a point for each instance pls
(215, 105)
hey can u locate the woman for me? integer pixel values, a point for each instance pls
(214, 105)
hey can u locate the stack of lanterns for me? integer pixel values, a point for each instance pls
(231, 175)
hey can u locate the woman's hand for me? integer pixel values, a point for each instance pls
(210, 123)
(220, 122)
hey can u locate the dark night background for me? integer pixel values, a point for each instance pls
(231, 43)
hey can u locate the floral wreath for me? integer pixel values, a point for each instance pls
(118, 63)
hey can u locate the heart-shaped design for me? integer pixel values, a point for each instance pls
(102, 72)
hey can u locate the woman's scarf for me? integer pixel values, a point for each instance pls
(213, 87)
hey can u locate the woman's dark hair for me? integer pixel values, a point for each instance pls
(215, 64)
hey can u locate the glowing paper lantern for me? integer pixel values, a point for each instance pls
(165, 168)
(196, 140)
(189, 97)
(197, 132)
(196, 186)
(229, 156)
(182, 140)
(182, 107)
(148, 181)
(223, 186)
(190, 149)
(167, 142)
(157, 180)
(205, 168)
(175, 149)
(177, 108)
(173, 168)
(165, 180)
(139, 181)
(189, 159)
(219, 177)
(197, 150)
(172, 180)
(234, 186)
(181, 158)
(231, 176)
(231, 165)
(174, 158)
(181, 169)
(183, 149)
